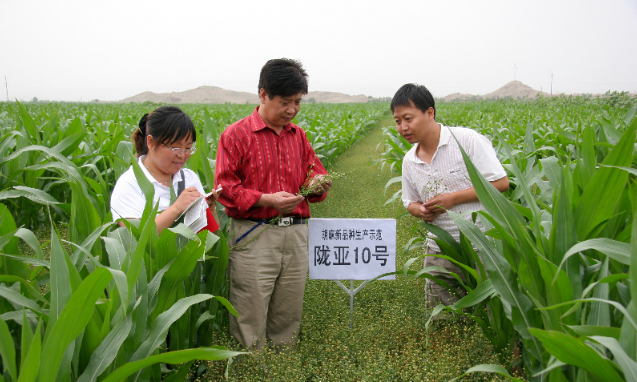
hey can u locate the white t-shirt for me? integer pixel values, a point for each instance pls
(128, 200)
(447, 173)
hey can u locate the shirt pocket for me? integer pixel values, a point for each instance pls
(458, 176)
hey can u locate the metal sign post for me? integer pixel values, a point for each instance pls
(352, 249)
(351, 292)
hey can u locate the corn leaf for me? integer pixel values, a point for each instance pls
(7, 350)
(161, 325)
(71, 322)
(31, 361)
(107, 350)
(597, 203)
(489, 369)
(573, 351)
(176, 357)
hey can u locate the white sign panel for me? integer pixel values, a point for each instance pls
(352, 249)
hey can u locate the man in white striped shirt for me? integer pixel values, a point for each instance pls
(435, 178)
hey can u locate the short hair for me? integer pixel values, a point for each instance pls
(283, 77)
(167, 124)
(414, 95)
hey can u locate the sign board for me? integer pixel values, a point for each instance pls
(352, 249)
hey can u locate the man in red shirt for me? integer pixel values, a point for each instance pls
(263, 161)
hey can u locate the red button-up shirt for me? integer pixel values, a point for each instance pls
(253, 160)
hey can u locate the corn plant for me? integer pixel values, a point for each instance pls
(110, 304)
(562, 266)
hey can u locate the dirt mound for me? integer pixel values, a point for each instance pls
(213, 94)
(202, 94)
(514, 89)
(333, 97)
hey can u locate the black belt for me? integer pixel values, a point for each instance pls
(281, 222)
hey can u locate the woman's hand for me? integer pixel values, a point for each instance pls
(212, 199)
(186, 198)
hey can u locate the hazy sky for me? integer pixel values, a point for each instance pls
(109, 50)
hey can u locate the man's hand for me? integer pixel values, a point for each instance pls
(212, 199)
(439, 204)
(282, 201)
(426, 214)
(320, 188)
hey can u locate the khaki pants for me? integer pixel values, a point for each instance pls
(435, 293)
(267, 283)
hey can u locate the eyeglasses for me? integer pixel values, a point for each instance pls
(178, 151)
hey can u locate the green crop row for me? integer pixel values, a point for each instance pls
(560, 250)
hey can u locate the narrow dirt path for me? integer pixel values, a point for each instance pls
(360, 193)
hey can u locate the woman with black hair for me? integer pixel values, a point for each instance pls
(164, 142)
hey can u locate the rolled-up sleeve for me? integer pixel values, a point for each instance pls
(318, 169)
(410, 195)
(485, 159)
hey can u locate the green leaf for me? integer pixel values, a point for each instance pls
(204, 317)
(574, 351)
(175, 357)
(597, 203)
(486, 368)
(162, 324)
(70, 143)
(107, 350)
(29, 124)
(16, 298)
(616, 250)
(31, 240)
(179, 270)
(81, 253)
(66, 164)
(60, 280)
(27, 337)
(33, 194)
(71, 322)
(633, 261)
(31, 362)
(503, 279)
(28, 260)
(116, 252)
(181, 374)
(32, 291)
(84, 217)
(628, 365)
(184, 231)
(7, 350)
(591, 330)
(232, 310)
(476, 296)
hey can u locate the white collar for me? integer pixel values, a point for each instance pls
(445, 136)
(176, 178)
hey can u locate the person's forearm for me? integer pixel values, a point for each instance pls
(414, 209)
(166, 219)
(469, 195)
(501, 184)
(264, 201)
(464, 196)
